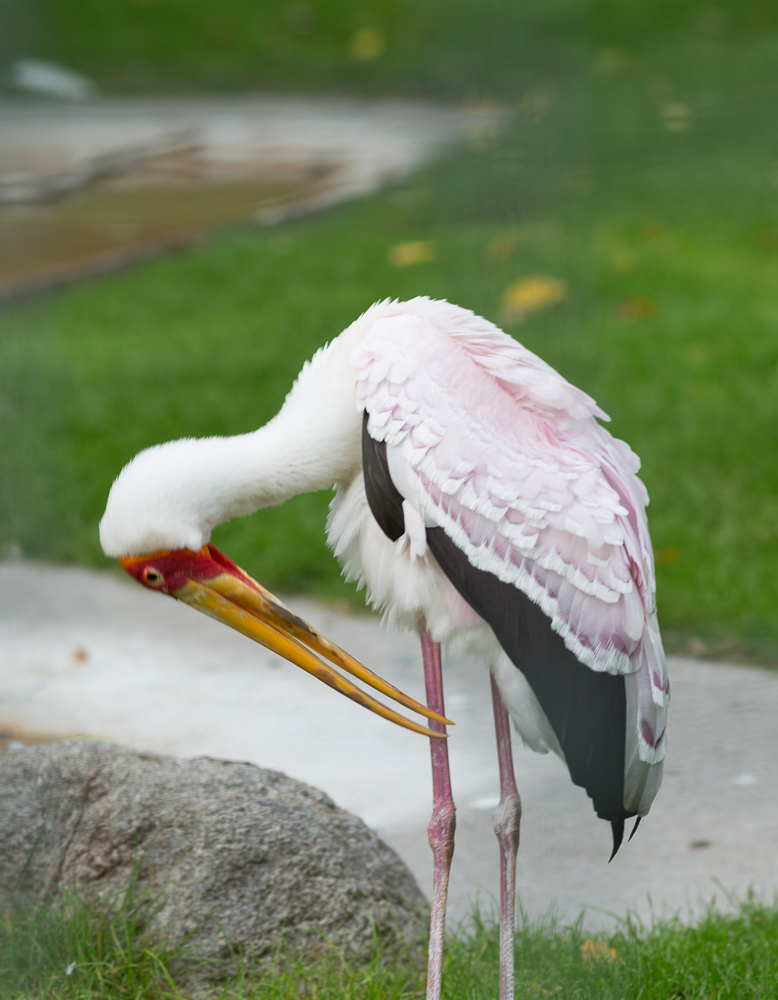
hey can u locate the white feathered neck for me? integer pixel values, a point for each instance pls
(171, 496)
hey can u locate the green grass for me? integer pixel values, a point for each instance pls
(452, 48)
(78, 950)
(666, 240)
(72, 947)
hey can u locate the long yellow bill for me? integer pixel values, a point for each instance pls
(210, 582)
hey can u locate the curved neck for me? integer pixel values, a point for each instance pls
(173, 495)
(312, 443)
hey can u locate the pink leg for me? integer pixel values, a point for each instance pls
(506, 822)
(440, 831)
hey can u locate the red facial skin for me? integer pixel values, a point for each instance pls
(169, 571)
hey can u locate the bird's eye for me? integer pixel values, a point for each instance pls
(152, 577)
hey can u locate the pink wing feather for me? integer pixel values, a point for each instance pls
(504, 454)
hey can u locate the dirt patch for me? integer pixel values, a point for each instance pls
(12, 737)
(117, 222)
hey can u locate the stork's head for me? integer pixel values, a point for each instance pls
(172, 496)
(158, 522)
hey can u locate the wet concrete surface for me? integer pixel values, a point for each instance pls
(87, 653)
(88, 187)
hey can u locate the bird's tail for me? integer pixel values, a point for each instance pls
(617, 825)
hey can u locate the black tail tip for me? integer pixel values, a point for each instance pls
(635, 828)
(617, 826)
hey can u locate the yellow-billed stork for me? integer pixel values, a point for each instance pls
(481, 503)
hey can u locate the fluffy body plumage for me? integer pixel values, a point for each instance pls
(484, 443)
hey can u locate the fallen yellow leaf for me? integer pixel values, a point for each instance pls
(367, 43)
(415, 252)
(538, 291)
(651, 229)
(594, 951)
(502, 246)
(667, 555)
(697, 354)
(610, 62)
(638, 307)
(624, 261)
(676, 117)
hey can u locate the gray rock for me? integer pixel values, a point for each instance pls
(240, 851)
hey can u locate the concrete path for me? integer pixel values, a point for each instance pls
(89, 654)
(48, 147)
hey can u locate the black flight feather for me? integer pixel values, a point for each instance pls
(385, 500)
(587, 709)
(617, 827)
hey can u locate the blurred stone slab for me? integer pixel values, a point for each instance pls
(84, 652)
(89, 186)
(246, 859)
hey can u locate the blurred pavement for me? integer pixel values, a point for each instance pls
(86, 653)
(48, 148)
(91, 186)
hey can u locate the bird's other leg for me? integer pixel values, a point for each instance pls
(440, 831)
(506, 822)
